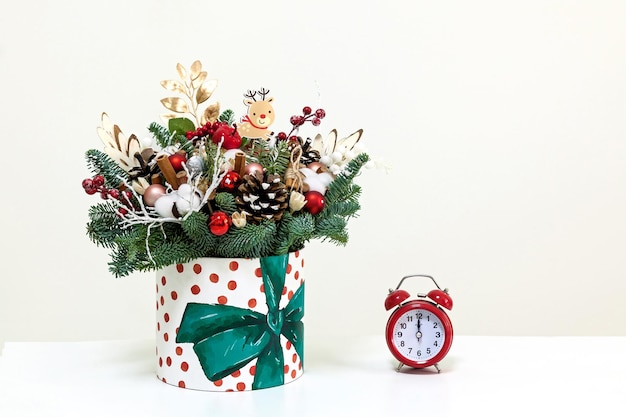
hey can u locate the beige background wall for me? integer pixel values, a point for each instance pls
(503, 124)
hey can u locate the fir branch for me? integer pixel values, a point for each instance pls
(334, 229)
(196, 228)
(341, 188)
(101, 164)
(227, 116)
(250, 241)
(161, 134)
(293, 232)
(274, 158)
(225, 202)
(165, 138)
(104, 225)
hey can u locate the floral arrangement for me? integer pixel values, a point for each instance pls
(208, 185)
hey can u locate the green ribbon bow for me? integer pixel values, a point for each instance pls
(226, 338)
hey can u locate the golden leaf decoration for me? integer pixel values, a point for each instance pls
(204, 92)
(175, 104)
(194, 89)
(173, 85)
(211, 113)
(197, 82)
(182, 72)
(195, 68)
(169, 116)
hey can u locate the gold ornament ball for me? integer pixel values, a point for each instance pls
(153, 193)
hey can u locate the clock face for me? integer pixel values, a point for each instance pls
(419, 334)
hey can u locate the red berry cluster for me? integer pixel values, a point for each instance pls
(96, 185)
(205, 130)
(298, 120)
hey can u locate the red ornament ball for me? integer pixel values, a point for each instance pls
(152, 193)
(230, 181)
(219, 223)
(177, 161)
(315, 202)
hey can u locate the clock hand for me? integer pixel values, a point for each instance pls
(419, 332)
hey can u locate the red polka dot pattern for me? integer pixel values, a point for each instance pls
(233, 282)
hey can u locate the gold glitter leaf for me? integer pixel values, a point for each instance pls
(173, 86)
(211, 113)
(196, 67)
(197, 82)
(175, 104)
(182, 72)
(205, 91)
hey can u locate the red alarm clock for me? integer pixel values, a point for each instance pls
(419, 332)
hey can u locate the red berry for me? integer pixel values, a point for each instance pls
(306, 110)
(316, 121)
(282, 136)
(122, 211)
(98, 181)
(87, 183)
(104, 194)
(320, 113)
(296, 120)
(114, 193)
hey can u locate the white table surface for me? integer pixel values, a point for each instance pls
(486, 376)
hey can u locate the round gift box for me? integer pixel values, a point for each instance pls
(231, 324)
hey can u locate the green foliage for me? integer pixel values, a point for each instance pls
(144, 247)
(251, 241)
(103, 226)
(101, 164)
(274, 159)
(180, 125)
(225, 202)
(227, 116)
(293, 232)
(165, 138)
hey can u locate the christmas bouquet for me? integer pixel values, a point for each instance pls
(208, 184)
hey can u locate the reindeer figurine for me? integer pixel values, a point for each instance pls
(260, 115)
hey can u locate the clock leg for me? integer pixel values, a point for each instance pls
(437, 368)
(400, 365)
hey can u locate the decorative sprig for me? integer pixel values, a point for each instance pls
(195, 89)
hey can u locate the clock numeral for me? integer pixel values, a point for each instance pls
(410, 350)
(402, 343)
(403, 325)
(428, 351)
(435, 325)
(399, 334)
(409, 318)
(419, 316)
(435, 344)
(419, 353)
(428, 318)
(437, 334)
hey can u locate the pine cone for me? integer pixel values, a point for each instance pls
(308, 153)
(262, 196)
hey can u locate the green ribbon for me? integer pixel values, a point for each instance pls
(226, 338)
